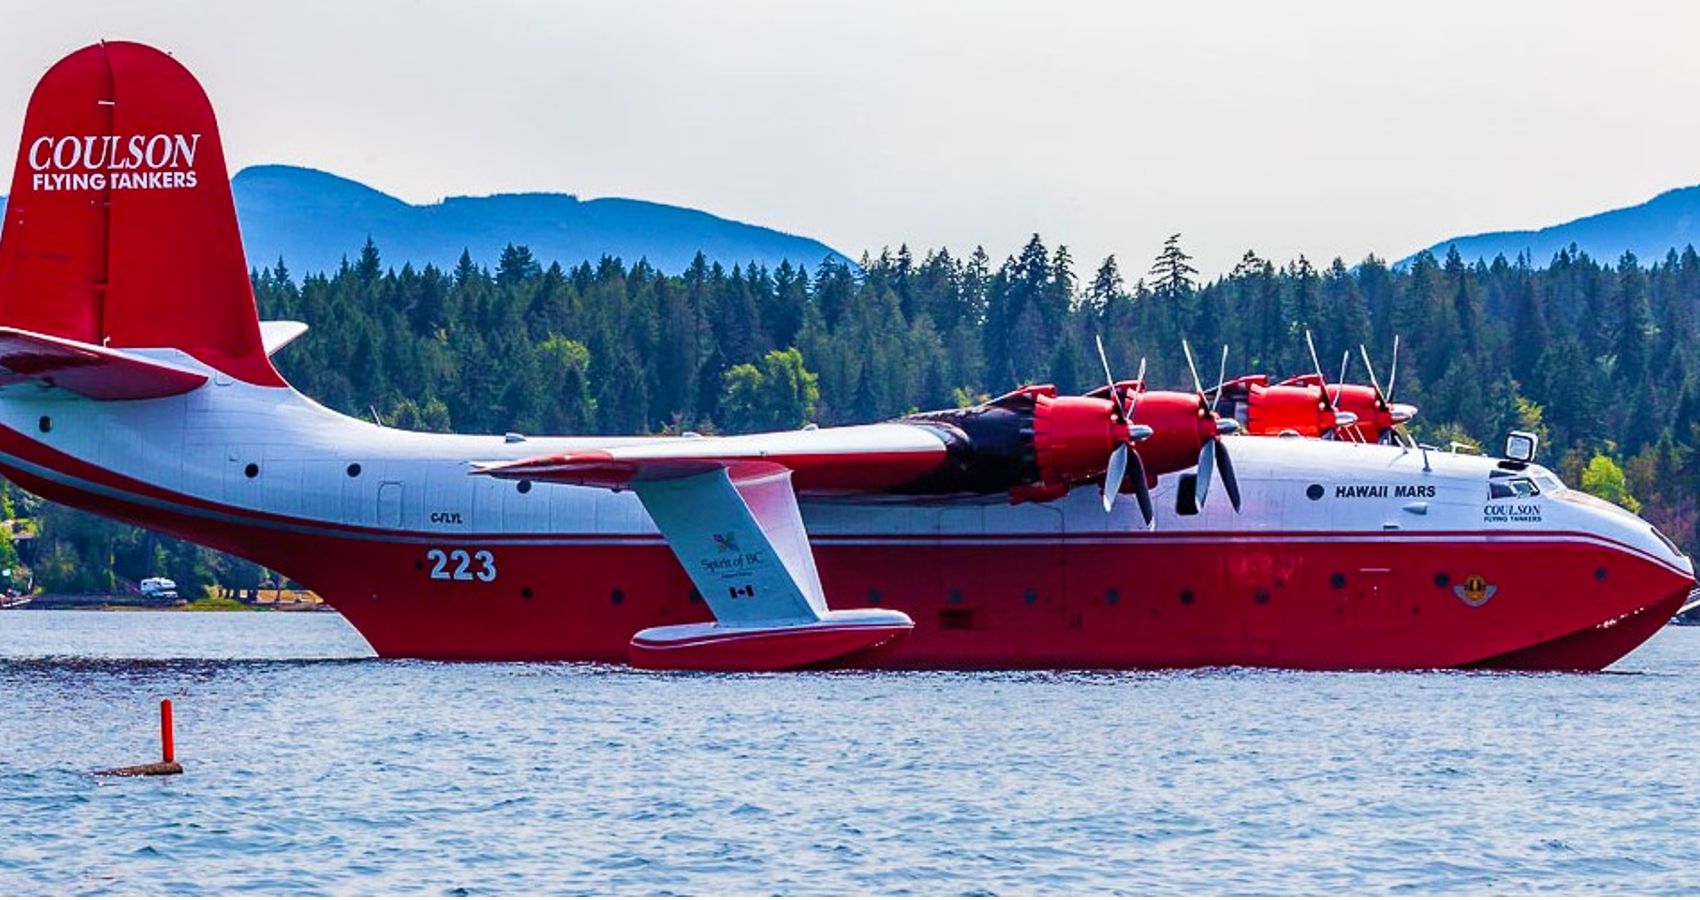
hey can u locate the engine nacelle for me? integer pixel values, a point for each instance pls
(1036, 445)
(1179, 427)
(1297, 406)
(1073, 437)
(1030, 442)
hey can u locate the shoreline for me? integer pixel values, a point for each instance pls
(104, 603)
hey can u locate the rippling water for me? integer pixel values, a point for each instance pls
(314, 769)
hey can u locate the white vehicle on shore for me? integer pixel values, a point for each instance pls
(158, 588)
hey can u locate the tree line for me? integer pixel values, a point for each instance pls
(1598, 357)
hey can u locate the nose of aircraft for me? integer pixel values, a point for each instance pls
(1621, 526)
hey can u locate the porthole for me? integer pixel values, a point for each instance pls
(1314, 492)
(1262, 596)
(44, 424)
(1441, 579)
(1112, 596)
(1600, 574)
(354, 470)
(524, 487)
(873, 597)
(252, 470)
(1031, 597)
(695, 597)
(525, 593)
(1186, 596)
(1338, 580)
(955, 595)
(617, 597)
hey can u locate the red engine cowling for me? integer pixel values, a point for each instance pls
(1351, 412)
(1073, 437)
(1179, 427)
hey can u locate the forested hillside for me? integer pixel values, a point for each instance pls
(1597, 356)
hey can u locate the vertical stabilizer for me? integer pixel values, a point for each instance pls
(120, 229)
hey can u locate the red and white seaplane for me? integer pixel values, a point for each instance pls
(136, 382)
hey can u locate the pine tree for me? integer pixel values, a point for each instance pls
(370, 268)
(1172, 273)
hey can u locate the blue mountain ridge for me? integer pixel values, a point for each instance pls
(313, 219)
(1670, 221)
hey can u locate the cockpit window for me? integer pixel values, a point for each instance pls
(1512, 488)
(1667, 542)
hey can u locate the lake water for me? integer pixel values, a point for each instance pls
(313, 768)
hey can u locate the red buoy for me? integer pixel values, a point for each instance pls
(168, 764)
(167, 746)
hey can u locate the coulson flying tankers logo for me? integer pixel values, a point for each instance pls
(119, 162)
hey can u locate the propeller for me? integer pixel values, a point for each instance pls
(1342, 419)
(1399, 412)
(1125, 456)
(1212, 454)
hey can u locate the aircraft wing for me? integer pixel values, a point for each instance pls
(90, 370)
(827, 460)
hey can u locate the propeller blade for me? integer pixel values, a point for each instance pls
(1316, 363)
(1142, 370)
(1192, 367)
(1340, 386)
(1230, 482)
(1393, 375)
(1206, 469)
(1113, 475)
(1221, 377)
(1109, 379)
(1141, 490)
(1371, 367)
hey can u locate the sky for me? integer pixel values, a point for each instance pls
(1317, 128)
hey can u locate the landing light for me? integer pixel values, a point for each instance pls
(1520, 446)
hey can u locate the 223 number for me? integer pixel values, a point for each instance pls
(459, 565)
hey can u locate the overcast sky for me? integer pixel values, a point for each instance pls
(1326, 128)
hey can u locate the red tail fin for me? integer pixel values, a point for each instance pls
(120, 229)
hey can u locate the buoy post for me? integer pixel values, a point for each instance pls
(167, 745)
(168, 764)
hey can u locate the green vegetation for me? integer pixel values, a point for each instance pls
(1603, 478)
(220, 604)
(1601, 359)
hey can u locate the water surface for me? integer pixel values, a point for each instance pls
(313, 768)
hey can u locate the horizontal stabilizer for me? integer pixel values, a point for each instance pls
(95, 372)
(275, 336)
